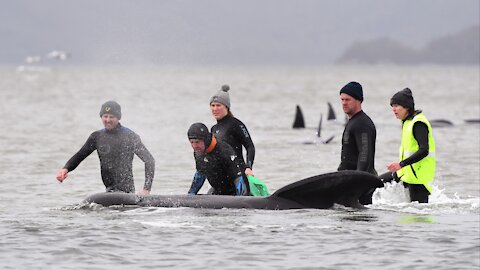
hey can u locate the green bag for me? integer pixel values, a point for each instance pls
(257, 187)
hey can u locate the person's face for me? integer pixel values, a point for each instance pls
(350, 105)
(218, 110)
(197, 145)
(109, 121)
(399, 111)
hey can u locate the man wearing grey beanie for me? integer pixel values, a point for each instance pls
(359, 136)
(116, 145)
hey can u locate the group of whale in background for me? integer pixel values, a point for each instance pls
(299, 121)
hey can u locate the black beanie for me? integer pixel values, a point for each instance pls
(200, 132)
(353, 89)
(111, 107)
(403, 98)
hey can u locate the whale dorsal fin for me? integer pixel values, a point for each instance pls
(331, 112)
(299, 121)
(322, 191)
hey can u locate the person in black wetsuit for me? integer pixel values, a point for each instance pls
(116, 146)
(416, 168)
(358, 140)
(216, 161)
(231, 130)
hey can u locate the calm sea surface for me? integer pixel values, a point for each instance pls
(48, 113)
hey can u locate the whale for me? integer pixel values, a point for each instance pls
(299, 121)
(440, 123)
(317, 192)
(472, 121)
(331, 112)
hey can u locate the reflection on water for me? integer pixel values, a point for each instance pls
(416, 219)
(365, 217)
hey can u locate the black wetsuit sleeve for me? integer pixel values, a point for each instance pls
(366, 145)
(242, 134)
(142, 152)
(83, 153)
(420, 133)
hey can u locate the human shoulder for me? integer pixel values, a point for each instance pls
(363, 117)
(237, 122)
(125, 129)
(224, 149)
(361, 121)
(96, 133)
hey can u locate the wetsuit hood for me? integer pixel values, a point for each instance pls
(200, 132)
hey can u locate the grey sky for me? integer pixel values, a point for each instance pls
(220, 31)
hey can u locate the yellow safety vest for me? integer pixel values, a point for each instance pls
(423, 171)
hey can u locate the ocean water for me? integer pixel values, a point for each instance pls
(48, 113)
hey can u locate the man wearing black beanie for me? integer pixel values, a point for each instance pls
(416, 168)
(359, 136)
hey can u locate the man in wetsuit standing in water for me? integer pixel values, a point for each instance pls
(116, 145)
(358, 140)
(216, 161)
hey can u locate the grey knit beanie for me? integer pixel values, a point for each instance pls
(111, 107)
(222, 96)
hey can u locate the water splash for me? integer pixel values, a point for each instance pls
(395, 197)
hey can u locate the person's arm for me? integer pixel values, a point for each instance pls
(420, 133)
(197, 183)
(236, 170)
(365, 141)
(242, 134)
(75, 160)
(142, 152)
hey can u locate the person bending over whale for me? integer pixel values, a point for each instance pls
(230, 129)
(358, 139)
(116, 146)
(416, 167)
(217, 162)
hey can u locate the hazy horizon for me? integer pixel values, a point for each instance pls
(220, 32)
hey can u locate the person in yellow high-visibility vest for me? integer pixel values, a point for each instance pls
(416, 168)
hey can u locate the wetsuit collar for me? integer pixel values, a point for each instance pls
(228, 116)
(212, 145)
(358, 113)
(410, 116)
(115, 129)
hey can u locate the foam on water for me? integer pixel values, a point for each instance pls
(396, 198)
